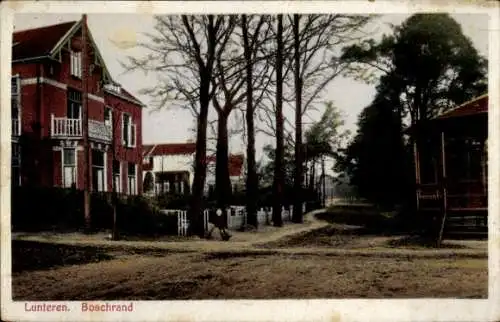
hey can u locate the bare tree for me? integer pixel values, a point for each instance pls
(316, 55)
(183, 53)
(278, 183)
(231, 90)
(251, 178)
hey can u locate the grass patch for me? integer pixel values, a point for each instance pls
(236, 254)
(29, 255)
(420, 242)
(371, 220)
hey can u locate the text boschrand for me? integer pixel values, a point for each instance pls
(84, 307)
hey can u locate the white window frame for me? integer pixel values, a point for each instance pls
(132, 177)
(75, 171)
(131, 140)
(76, 63)
(104, 172)
(108, 109)
(16, 97)
(118, 188)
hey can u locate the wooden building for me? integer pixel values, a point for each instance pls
(451, 170)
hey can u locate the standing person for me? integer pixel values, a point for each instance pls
(224, 235)
(218, 222)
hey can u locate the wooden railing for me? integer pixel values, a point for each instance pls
(65, 127)
(16, 128)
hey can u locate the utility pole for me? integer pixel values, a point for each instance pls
(324, 180)
(85, 132)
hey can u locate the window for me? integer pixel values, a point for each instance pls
(16, 165)
(76, 64)
(128, 131)
(98, 171)
(108, 116)
(15, 105)
(74, 109)
(117, 184)
(69, 168)
(132, 180)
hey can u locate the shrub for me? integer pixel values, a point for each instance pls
(36, 208)
(173, 201)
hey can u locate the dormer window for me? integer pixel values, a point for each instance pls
(113, 87)
(76, 64)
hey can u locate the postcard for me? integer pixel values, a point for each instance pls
(249, 161)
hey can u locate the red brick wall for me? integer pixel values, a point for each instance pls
(26, 70)
(57, 172)
(28, 108)
(54, 102)
(124, 154)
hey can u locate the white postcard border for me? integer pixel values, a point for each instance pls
(269, 310)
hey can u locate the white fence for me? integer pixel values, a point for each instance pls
(236, 217)
(183, 221)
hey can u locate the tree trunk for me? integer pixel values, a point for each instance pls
(195, 212)
(252, 180)
(222, 180)
(200, 166)
(298, 173)
(278, 162)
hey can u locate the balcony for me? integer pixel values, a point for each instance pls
(63, 127)
(16, 127)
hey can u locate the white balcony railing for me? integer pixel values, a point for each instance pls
(100, 131)
(65, 127)
(16, 127)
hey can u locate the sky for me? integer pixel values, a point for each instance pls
(117, 34)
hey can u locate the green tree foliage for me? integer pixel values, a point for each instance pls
(377, 160)
(424, 68)
(432, 65)
(325, 137)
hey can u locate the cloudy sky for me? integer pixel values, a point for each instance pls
(115, 34)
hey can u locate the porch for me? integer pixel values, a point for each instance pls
(452, 174)
(176, 182)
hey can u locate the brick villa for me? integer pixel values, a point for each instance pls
(58, 74)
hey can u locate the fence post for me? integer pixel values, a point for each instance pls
(178, 224)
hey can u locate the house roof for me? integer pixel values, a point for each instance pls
(475, 106)
(169, 149)
(43, 42)
(236, 162)
(38, 42)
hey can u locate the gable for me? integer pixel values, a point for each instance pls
(39, 42)
(49, 41)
